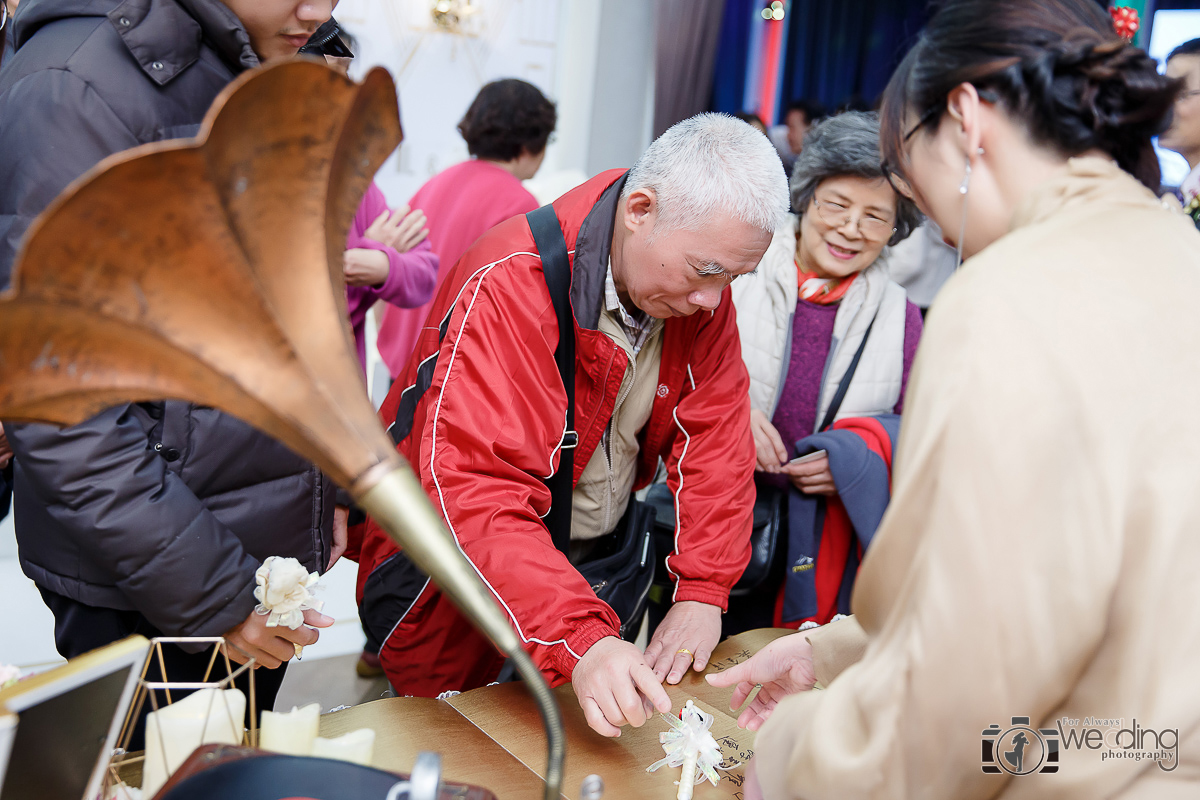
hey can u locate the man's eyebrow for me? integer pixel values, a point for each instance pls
(711, 268)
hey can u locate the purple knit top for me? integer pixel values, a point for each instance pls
(812, 333)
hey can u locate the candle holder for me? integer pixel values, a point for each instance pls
(220, 717)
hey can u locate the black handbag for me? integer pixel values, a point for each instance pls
(764, 537)
(762, 571)
(621, 570)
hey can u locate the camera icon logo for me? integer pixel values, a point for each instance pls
(1020, 749)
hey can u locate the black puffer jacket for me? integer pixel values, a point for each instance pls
(164, 508)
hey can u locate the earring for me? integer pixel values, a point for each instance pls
(962, 229)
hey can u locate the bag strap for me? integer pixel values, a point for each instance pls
(836, 404)
(548, 236)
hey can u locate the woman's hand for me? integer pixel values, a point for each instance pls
(783, 667)
(768, 444)
(811, 477)
(401, 230)
(363, 267)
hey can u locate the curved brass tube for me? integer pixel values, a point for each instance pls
(399, 505)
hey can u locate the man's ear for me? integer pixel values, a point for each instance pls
(641, 207)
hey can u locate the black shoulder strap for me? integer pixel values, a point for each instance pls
(547, 235)
(836, 404)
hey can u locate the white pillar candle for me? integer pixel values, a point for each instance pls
(357, 747)
(290, 733)
(206, 716)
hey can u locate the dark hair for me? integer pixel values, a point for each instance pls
(812, 110)
(1056, 65)
(1189, 48)
(749, 118)
(846, 144)
(506, 117)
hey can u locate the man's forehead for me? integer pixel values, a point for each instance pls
(734, 254)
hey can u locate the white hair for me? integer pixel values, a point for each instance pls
(711, 164)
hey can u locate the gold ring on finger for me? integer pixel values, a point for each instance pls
(683, 650)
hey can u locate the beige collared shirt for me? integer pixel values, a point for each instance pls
(602, 494)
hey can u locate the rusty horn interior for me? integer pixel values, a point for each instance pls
(209, 270)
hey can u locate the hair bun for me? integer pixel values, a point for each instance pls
(1088, 92)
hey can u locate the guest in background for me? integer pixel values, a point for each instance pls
(753, 120)
(506, 129)
(821, 292)
(800, 116)
(1183, 136)
(388, 257)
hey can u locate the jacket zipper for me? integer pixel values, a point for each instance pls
(612, 430)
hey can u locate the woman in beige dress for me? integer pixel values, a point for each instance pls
(1026, 619)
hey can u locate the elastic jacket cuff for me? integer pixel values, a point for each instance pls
(579, 642)
(702, 592)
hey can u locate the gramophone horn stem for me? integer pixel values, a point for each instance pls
(399, 505)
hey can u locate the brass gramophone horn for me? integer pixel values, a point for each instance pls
(210, 271)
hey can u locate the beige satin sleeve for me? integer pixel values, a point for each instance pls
(835, 647)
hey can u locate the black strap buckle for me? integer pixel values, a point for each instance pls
(570, 440)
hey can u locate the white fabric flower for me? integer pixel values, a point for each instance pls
(690, 745)
(8, 675)
(284, 591)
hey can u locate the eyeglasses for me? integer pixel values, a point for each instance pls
(870, 227)
(894, 176)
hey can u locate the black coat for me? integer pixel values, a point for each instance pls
(163, 508)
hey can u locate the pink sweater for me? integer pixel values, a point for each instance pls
(411, 275)
(461, 203)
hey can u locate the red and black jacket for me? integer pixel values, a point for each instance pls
(479, 412)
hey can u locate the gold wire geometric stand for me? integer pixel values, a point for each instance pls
(125, 766)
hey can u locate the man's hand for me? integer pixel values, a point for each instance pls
(768, 444)
(615, 687)
(401, 230)
(364, 267)
(687, 635)
(781, 668)
(811, 477)
(6, 452)
(341, 534)
(270, 647)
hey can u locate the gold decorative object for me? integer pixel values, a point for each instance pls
(209, 270)
(126, 765)
(452, 15)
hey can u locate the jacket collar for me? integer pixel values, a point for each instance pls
(592, 247)
(166, 36)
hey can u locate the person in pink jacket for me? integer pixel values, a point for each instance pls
(388, 257)
(506, 130)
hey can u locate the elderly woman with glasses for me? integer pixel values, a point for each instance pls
(821, 311)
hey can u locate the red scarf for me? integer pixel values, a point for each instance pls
(822, 291)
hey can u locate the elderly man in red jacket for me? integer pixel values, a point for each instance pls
(479, 413)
